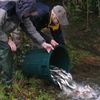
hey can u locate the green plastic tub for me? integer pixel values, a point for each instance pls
(38, 61)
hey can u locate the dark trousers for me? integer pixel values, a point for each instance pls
(6, 63)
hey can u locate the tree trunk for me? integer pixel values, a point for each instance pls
(87, 25)
(99, 7)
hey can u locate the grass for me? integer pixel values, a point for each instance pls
(24, 88)
(44, 96)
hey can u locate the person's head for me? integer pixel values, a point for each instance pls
(59, 12)
(25, 8)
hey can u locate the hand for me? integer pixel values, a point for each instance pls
(12, 45)
(54, 43)
(47, 46)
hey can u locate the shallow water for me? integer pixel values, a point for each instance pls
(71, 90)
(85, 92)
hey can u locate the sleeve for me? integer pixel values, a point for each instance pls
(46, 37)
(3, 15)
(58, 36)
(31, 30)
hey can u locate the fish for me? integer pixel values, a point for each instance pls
(66, 83)
(62, 77)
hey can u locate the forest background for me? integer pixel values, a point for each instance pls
(82, 38)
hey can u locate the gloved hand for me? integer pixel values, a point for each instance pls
(47, 46)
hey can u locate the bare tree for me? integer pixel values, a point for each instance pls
(87, 24)
(99, 7)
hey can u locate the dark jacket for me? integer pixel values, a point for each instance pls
(8, 20)
(27, 24)
(42, 20)
(25, 6)
(9, 7)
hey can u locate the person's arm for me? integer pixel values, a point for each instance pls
(31, 30)
(16, 36)
(58, 36)
(14, 39)
(49, 39)
(45, 36)
(3, 36)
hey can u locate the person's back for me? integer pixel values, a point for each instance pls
(41, 20)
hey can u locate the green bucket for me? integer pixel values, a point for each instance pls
(38, 61)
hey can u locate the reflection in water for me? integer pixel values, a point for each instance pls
(70, 89)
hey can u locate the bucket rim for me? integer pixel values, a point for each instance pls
(55, 48)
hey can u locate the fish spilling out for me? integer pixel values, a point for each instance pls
(70, 88)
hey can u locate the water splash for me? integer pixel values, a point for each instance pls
(71, 89)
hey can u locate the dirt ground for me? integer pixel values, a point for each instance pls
(88, 66)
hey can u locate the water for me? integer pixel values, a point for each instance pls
(72, 90)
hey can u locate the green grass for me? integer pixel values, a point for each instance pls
(44, 96)
(24, 88)
(75, 54)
